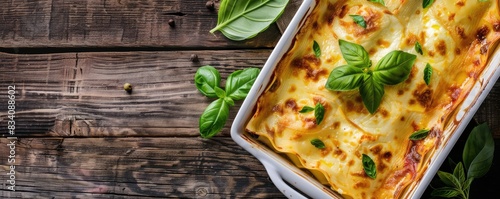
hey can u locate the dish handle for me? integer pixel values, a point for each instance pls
(280, 183)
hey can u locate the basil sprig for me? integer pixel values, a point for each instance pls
(319, 112)
(358, 19)
(418, 48)
(392, 69)
(238, 84)
(419, 135)
(477, 159)
(427, 74)
(427, 3)
(318, 143)
(379, 1)
(369, 166)
(316, 49)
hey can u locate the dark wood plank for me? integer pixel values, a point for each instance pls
(134, 168)
(81, 94)
(116, 23)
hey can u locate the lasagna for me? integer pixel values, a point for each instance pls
(454, 38)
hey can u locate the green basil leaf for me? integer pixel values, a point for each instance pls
(238, 84)
(418, 48)
(378, 1)
(445, 192)
(358, 19)
(394, 67)
(369, 166)
(213, 118)
(344, 78)
(478, 151)
(318, 143)
(354, 54)
(316, 49)
(306, 109)
(427, 74)
(229, 101)
(459, 173)
(206, 79)
(427, 3)
(371, 92)
(319, 113)
(243, 19)
(419, 135)
(219, 92)
(467, 183)
(449, 179)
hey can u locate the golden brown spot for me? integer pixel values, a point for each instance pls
(306, 63)
(343, 11)
(326, 151)
(476, 62)
(473, 74)
(460, 3)
(310, 123)
(354, 107)
(422, 37)
(372, 51)
(384, 112)
(482, 32)
(457, 51)
(361, 185)
(413, 72)
(338, 151)
(278, 109)
(350, 163)
(411, 39)
(412, 102)
(451, 17)
(423, 96)
(329, 60)
(358, 99)
(461, 32)
(383, 43)
(402, 118)
(496, 26)
(336, 125)
(431, 53)
(441, 47)
(292, 89)
(455, 93)
(415, 126)
(387, 156)
(315, 26)
(381, 166)
(401, 92)
(269, 131)
(376, 149)
(417, 12)
(291, 104)
(484, 48)
(388, 12)
(367, 137)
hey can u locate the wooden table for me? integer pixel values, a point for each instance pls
(80, 135)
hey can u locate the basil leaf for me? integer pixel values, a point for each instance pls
(419, 135)
(467, 183)
(427, 74)
(369, 166)
(478, 151)
(229, 101)
(448, 179)
(394, 67)
(318, 143)
(459, 173)
(427, 3)
(243, 19)
(238, 84)
(206, 79)
(446, 192)
(358, 19)
(354, 54)
(316, 49)
(306, 109)
(344, 78)
(219, 92)
(418, 48)
(378, 1)
(319, 113)
(371, 92)
(213, 118)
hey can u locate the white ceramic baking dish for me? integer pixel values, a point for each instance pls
(296, 183)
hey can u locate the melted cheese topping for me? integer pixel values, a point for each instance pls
(456, 38)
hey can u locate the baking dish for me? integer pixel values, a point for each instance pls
(296, 183)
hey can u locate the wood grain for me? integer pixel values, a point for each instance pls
(135, 168)
(81, 94)
(117, 23)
